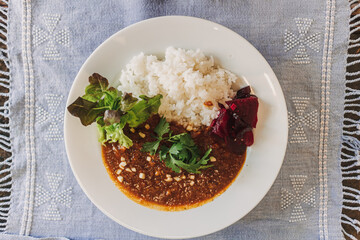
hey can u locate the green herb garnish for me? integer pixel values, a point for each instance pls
(178, 151)
(112, 110)
(162, 128)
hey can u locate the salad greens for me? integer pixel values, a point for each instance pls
(112, 110)
(178, 151)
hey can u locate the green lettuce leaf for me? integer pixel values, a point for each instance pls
(111, 117)
(114, 133)
(143, 109)
(128, 101)
(95, 90)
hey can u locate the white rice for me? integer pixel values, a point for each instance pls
(186, 79)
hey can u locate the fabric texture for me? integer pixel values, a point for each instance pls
(305, 42)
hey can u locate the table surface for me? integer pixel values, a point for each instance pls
(351, 183)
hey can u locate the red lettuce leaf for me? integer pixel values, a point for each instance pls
(85, 110)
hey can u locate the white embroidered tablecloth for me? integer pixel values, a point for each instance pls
(305, 42)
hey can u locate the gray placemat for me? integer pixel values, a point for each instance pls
(306, 45)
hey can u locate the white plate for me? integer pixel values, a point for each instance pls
(264, 158)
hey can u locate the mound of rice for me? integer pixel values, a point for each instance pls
(188, 80)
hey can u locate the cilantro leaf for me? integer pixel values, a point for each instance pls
(183, 153)
(151, 147)
(176, 148)
(162, 128)
(172, 163)
(163, 152)
(176, 138)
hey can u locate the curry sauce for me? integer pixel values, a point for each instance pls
(148, 181)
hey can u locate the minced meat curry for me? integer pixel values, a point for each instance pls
(146, 179)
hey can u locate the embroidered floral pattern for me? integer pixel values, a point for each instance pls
(296, 198)
(51, 117)
(52, 37)
(302, 41)
(53, 197)
(301, 119)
